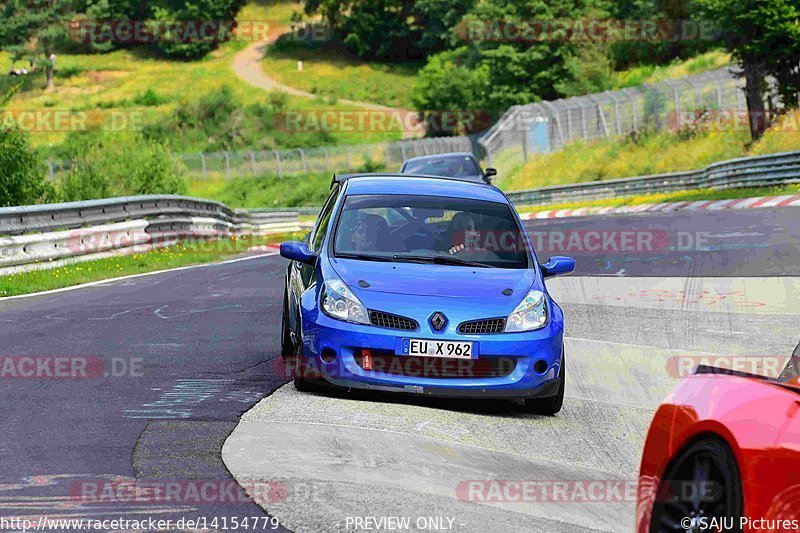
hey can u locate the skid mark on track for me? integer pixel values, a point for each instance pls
(120, 313)
(160, 311)
(181, 400)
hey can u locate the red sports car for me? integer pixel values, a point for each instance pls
(723, 454)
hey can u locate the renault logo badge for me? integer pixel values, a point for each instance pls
(438, 321)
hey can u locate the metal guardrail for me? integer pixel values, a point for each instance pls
(45, 236)
(761, 171)
(41, 236)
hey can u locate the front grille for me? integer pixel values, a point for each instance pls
(384, 361)
(480, 327)
(390, 321)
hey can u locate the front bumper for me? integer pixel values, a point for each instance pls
(341, 344)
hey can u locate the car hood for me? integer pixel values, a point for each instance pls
(447, 281)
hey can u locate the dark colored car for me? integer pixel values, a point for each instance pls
(455, 165)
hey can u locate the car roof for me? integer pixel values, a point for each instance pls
(439, 156)
(421, 185)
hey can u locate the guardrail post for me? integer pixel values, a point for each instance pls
(403, 150)
(227, 165)
(303, 159)
(278, 159)
(602, 117)
(569, 124)
(203, 163)
(584, 128)
(677, 98)
(253, 161)
(525, 148)
(349, 159)
(52, 172)
(616, 115)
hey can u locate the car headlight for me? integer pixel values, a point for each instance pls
(530, 314)
(339, 302)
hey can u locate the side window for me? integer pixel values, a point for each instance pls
(324, 219)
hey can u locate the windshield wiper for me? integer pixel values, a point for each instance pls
(364, 257)
(440, 260)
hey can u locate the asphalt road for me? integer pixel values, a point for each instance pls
(755, 242)
(194, 350)
(188, 353)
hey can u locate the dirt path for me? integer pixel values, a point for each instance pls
(247, 64)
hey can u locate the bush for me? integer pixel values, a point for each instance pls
(107, 165)
(301, 190)
(149, 98)
(22, 172)
(218, 121)
(446, 84)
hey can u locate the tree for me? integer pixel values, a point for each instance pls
(392, 29)
(119, 164)
(22, 176)
(764, 37)
(36, 29)
(501, 70)
(186, 40)
(446, 87)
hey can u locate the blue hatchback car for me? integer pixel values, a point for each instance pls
(423, 285)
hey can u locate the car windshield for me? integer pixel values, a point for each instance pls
(430, 229)
(455, 166)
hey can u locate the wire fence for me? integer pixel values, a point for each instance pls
(208, 165)
(543, 127)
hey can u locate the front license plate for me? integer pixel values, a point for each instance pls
(432, 348)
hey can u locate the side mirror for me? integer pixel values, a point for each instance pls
(490, 172)
(558, 266)
(298, 251)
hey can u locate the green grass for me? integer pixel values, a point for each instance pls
(332, 72)
(654, 154)
(183, 254)
(649, 154)
(678, 68)
(300, 190)
(265, 191)
(676, 196)
(118, 83)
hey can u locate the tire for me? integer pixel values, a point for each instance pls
(299, 370)
(550, 405)
(287, 346)
(706, 463)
